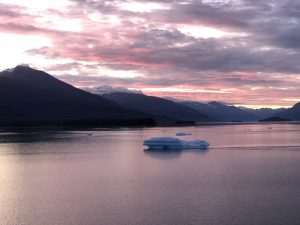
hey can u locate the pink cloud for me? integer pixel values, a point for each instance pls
(253, 69)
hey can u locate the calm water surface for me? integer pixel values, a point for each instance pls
(249, 176)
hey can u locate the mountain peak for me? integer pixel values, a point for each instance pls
(18, 67)
(215, 103)
(296, 106)
(107, 89)
(22, 69)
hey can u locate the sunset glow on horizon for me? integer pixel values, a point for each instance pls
(245, 53)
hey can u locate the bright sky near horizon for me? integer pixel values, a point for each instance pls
(241, 52)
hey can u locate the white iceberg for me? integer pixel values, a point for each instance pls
(174, 143)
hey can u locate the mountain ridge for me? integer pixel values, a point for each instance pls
(292, 113)
(221, 112)
(157, 106)
(27, 94)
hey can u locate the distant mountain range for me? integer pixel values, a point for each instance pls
(229, 113)
(206, 112)
(29, 95)
(221, 112)
(157, 106)
(291, 113)
(263, 113)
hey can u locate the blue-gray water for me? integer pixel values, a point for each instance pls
(249, 176)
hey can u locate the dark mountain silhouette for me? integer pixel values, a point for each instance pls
(275, 119)
(31, 95)
(291, 113)
(221, 112)
(263, 113)
(27, 94)
(157, 106)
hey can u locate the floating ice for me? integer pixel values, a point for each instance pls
(174, 143)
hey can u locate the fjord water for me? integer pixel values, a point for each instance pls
(250, 175)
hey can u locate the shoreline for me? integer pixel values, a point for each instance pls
(25, 129)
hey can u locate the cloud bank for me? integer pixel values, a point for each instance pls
(234, 51)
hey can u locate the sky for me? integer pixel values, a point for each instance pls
(243, 52)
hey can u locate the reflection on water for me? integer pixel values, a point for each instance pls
(40, 136)
(166, 154)
(249, 175)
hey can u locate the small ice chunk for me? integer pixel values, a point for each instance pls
(183, 134)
